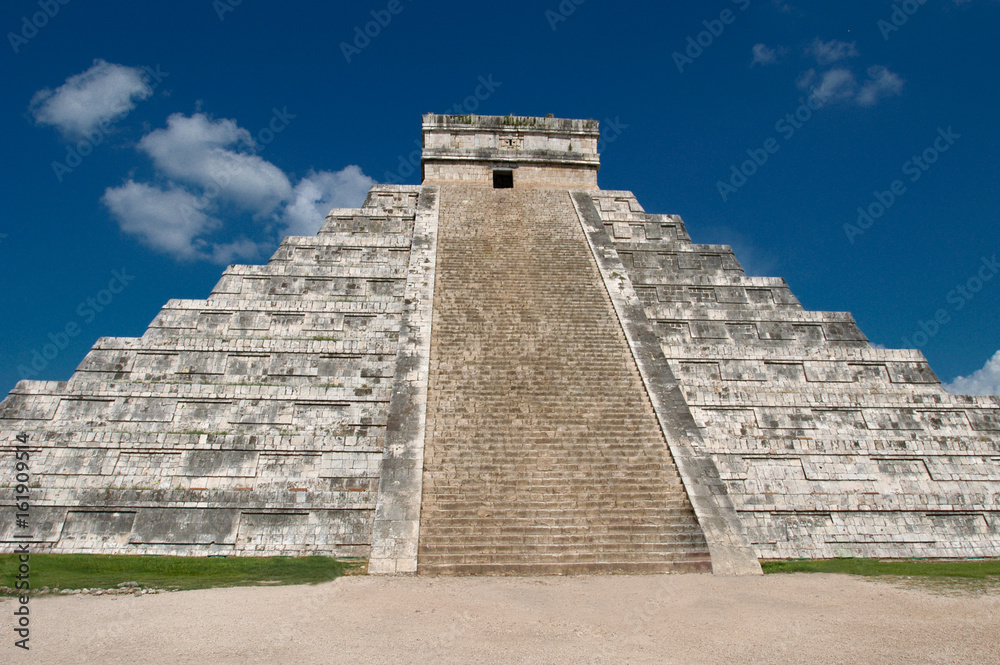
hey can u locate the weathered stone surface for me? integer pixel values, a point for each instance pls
(726, 539)
(253, 422)
(828, 446)
(538, 152)
(397, 514)
(543, 452)
(457, 379)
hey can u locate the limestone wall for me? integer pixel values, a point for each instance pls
(828, 446)
(526, 176)
(252, 422)
(543, 152)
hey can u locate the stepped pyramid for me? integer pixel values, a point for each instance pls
(505, 370)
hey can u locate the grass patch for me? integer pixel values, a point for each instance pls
(79, 571)
(898, 568)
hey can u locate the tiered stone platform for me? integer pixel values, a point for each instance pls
(250, 423)
(505, 370)
(828, 447)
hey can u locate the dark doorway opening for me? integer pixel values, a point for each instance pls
(503, 180)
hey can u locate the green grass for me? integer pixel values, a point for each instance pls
(79, 571)
(875, 567)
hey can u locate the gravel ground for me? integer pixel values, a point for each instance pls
(796, 619)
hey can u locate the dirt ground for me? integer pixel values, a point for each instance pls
(614, 619)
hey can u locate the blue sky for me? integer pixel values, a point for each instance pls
(149, 144)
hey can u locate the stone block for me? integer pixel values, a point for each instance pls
(185, 526)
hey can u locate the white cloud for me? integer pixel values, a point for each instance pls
(806, 79)
(103, 93)
(317, 193)
(881, 83)
(204, 175)
(763, 55)
(226, 253)
(213, 155)
(985, 381)
(838, 84)
(827, 53)
(172, 221)
(165, 220)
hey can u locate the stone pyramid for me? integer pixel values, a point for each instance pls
(505, 370)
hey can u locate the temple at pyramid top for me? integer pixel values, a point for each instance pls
(510, 151)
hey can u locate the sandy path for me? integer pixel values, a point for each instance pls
(616, 619)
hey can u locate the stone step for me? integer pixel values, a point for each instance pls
(585, 565)
(458, 487)
(454, 531)
(657, 529)
(542, 455)
(620, 546)
(542, 501)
